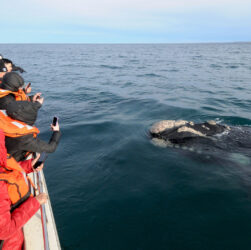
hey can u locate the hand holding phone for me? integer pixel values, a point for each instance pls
(28, 88)
(54, 121)
(41, 160)
(37, 98)
(55, 125)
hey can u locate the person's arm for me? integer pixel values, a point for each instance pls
(26, 166)
(11, 222)
(36, 106)
(31, 144)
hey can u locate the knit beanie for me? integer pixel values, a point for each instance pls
(12, 81)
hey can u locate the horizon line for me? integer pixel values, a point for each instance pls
(119, 43)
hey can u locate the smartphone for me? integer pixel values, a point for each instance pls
(41, 160)
(26, 88)
(54, 121)
(38, 97)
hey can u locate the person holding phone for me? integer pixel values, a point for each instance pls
(18, 147)
(11, 90)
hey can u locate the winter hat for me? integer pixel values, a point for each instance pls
(3, 151)
(12, 81)
(23, 111)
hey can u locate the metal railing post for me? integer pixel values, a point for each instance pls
(43, 214)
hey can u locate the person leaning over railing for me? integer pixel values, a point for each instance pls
(20, 144)
(17, 205)
(11, 89)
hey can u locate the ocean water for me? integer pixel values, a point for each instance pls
(111, 188)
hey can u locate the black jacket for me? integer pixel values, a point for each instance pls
(19, 146)
(6, 100)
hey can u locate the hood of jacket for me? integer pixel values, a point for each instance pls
(12, 81)
(23, 111)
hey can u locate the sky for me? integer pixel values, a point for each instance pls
(125, 21)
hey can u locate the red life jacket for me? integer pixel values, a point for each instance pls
(17, 183)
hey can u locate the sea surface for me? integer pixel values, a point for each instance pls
(111, 188)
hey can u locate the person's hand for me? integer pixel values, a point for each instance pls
(27, 89)
(39, 168)
(42, 198)
(33, 162)
(40, 100)
(37, 95)
(37, 98)
(55, 128)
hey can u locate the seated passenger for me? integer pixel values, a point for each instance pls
(184, 131)
(16, 208)
(19, 145)
(11, 90)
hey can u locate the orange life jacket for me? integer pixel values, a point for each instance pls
(19, 95)
(14, 128)
(17, 183)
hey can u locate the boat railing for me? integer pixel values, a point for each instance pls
(40, 231)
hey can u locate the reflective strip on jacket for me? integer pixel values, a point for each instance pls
(15, 128)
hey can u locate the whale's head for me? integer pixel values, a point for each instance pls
(161, 126)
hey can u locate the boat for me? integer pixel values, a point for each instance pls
(40, 232)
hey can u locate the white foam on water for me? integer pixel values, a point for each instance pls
(240, 158)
